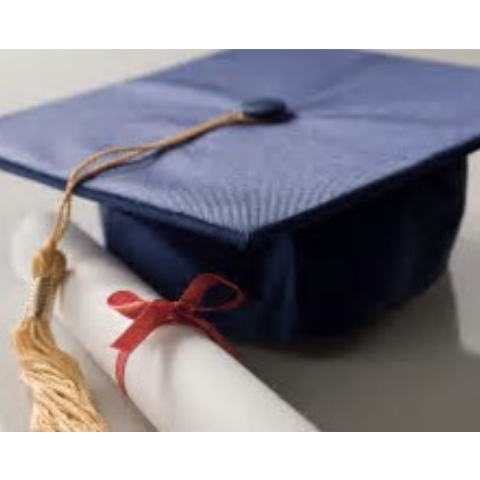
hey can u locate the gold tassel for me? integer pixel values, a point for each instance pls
(61, 401)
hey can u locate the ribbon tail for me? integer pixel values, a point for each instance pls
(120, 368)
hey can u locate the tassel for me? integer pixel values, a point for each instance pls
(61, 401)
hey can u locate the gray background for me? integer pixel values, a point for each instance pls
(416, 369)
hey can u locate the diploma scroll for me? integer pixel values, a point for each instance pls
(178, 378)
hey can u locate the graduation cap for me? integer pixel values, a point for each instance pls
(329, 185)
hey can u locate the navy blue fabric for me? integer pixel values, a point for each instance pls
(328, 277)
(361, 119)
(325, 220)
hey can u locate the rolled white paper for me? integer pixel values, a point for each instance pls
(178, 378)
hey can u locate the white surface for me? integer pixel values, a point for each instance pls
(178, 378)
(407, 372)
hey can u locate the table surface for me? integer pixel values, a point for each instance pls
(417, 369)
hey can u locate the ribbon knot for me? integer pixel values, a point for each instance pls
(148, 315)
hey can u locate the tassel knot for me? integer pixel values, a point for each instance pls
(49, 263)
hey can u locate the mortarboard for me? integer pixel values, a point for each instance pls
(345, 208)
(330, 185)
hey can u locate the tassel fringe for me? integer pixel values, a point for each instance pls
(61, 400)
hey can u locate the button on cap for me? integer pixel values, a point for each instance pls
(266, 109)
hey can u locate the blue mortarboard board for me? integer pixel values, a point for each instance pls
(348, 207)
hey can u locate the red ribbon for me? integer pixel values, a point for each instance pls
(147, 316)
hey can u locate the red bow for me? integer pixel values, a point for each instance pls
(149, 315)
